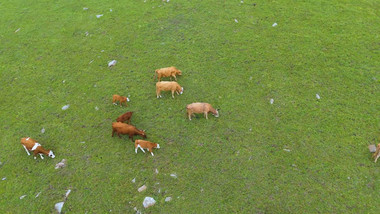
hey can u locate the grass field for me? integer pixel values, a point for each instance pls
(298, 155)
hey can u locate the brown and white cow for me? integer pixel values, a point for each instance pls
(30, 144)
(143, 144)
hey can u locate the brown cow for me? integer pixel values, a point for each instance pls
(123, 128)
(119, 98)
(125, 117)
(167, 72)
(168, 86)
(199, 108)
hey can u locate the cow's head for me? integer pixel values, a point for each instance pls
(51, 154)
(142, 133)
(217, 113)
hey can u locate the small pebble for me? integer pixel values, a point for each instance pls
(23, 196)
(96, 108)
(65, 107)
(236, 21)
(134, 180)
(3, 179)
(148, 201)
(274, 24)
(271, 101)
(173, 175)
(317, 96)
(142, 188)
(58, 206)
(98, 16)
(43, 130)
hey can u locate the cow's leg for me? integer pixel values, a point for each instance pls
(377, 157)
(158, 93)
(206, 115)
(41, 156)
(141, 148)
(26, 150)
(173, 94)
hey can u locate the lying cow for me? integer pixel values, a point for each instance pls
(143, 144)
(200, 108)
(167, 72)
(30, 144)
(121, 99)
(123, 128)
(168, 86)
(125, 117)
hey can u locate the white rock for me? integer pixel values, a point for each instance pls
(85, 8)
(58, 206)
(173, 175)
(17, 30)
(317, 96)
(112, 63)
(134, 180)
(167, 199)
(23, 196)
(3, 179)
(65, 107)
(287, 150)
(67, 193)
(372, 148)
(43, 130)
(98, 16)
(271, 101)
(236, 21)
(274, 24)
(61, 164)
(148, 201)
(142, 188)
(38, 194)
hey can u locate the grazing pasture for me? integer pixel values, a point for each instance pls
(297, 85)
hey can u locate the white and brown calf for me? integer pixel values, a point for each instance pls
(143, 144)
(168, 86)
(200, 108)
(30, 144)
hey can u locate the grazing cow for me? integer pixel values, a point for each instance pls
(125, 117)
(123, 128)
(167, 72)
(30, 144)
(376, 155)
(143, 144)
(168, 86)
(119, 98)
(199, 108)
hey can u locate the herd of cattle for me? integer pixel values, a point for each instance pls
(120, 127)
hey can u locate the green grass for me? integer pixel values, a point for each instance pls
(232, 164)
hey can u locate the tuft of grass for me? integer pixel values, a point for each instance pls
(297, 155)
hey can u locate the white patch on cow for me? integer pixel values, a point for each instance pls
(115, 104)
(128, 99)
(35, 146)
(138, 145)
(28, 138)
(158, 146)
